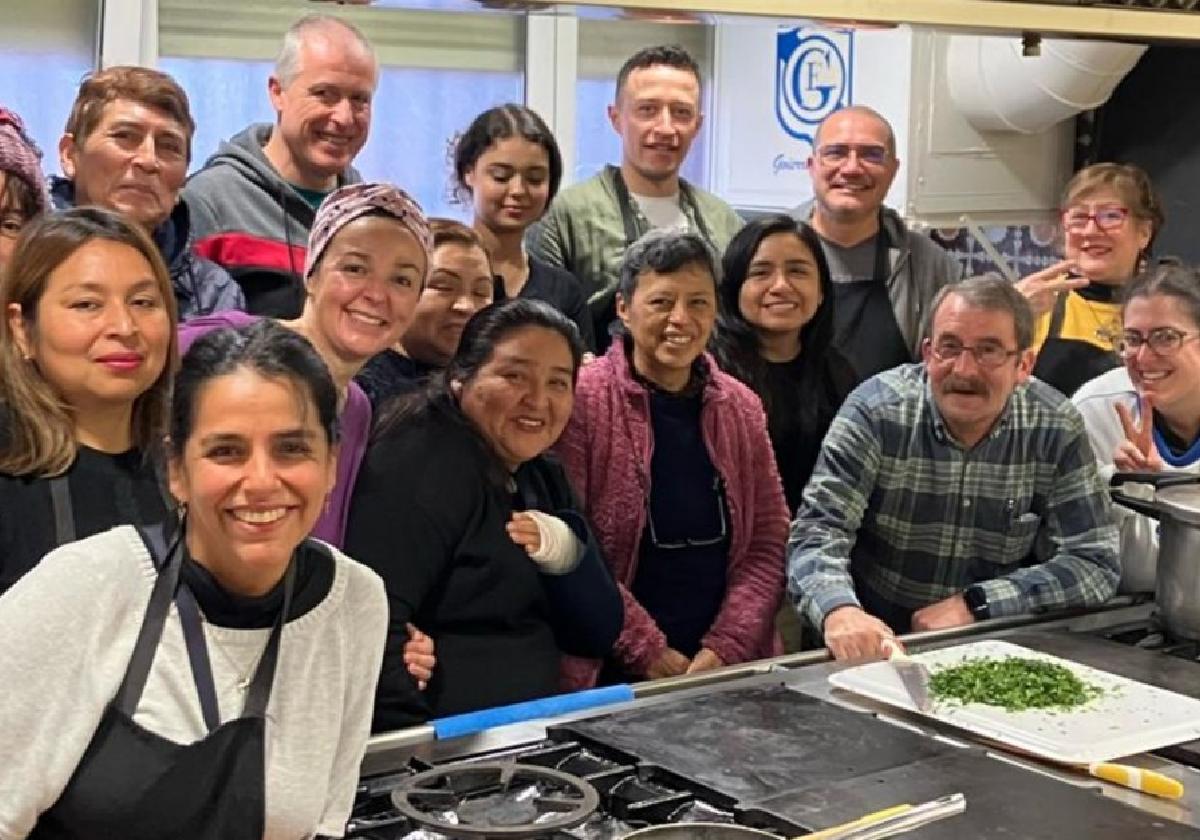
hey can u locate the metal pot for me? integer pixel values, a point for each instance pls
(700, 831)
(1176, 506)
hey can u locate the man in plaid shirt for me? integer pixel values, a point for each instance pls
(952, 490)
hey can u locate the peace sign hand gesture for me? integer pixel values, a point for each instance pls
(1137, 453)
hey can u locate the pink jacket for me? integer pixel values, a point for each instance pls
(610, 422)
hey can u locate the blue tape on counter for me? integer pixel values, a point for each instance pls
(472, 722)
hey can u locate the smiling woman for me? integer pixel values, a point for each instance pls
(497, 563)
(190, 638)
(673, 461)
(368, 257)
(87, 348)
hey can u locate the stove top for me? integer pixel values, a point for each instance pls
(629, 797)
(1150, 635)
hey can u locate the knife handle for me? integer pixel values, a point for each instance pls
(1137, 778)
(839, 830)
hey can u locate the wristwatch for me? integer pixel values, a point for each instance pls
(977, 603)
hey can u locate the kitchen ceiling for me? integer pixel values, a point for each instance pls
(1133, 20)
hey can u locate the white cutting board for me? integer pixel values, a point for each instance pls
(1129, 717)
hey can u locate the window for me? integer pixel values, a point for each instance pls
(604, 45)
(438, 71)
(45, 50)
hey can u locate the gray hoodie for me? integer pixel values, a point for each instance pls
(252, 222)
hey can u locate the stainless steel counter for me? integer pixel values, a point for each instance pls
(807, 673)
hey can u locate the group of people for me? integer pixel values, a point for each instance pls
(282, 460)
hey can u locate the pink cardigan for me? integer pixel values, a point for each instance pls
(611, 420)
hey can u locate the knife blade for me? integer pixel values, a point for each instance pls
(913, 674)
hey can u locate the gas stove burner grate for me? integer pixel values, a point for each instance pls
(501, 800)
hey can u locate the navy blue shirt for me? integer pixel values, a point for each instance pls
(684, 553)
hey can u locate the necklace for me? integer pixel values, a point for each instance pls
(243, 671)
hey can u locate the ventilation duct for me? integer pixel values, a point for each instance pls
(998, 88)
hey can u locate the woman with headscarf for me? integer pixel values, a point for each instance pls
(23, 194)
(368, 259)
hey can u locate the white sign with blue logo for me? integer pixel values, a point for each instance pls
(812, 77)
(773, 87)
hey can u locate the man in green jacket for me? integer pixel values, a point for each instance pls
(588, 227)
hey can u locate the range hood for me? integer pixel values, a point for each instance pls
(1132, 20)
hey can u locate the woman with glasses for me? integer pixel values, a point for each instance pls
(673, 462)
(22, 184)
(1110, 217)
(1145, 416)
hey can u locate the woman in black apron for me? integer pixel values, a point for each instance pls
(211, 680)
(86, 382)
(1110, 218)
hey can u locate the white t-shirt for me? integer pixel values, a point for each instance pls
(67, 630)
(662, 211)
(1097, 401)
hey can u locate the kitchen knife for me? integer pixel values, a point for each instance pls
(913, 674)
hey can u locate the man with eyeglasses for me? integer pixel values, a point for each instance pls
(884, 275)
(952, 490)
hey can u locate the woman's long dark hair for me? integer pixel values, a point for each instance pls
(487, 328)
(736, 342)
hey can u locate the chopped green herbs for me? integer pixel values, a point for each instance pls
(1013, 683)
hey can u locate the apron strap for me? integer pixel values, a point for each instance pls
(264, 675)
(64, 513)
(193, 631)
(130, 692)
(625, 205)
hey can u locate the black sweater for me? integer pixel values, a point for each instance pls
(106, 491)
(427, 517)
(559, 288)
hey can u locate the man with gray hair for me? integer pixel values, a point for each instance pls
(951, 490)
(255, 199)
(884, 274)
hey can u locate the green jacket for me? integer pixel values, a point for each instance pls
(585, 233)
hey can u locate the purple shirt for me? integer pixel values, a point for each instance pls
(355, 423)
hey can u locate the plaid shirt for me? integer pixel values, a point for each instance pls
(898, 515)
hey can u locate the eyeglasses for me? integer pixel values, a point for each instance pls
(689, 542)
(1162, 340)
(988, 354)
(1075, 219)
(835, 154)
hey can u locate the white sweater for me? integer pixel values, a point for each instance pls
(1097, 401)
(67, 630)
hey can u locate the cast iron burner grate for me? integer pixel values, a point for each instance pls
(495, 800)
(1150, 635)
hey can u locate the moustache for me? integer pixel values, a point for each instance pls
(964, 385)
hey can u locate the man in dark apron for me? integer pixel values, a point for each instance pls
(884, 275)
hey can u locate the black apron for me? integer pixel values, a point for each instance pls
(604, 312)
(865, 326)
(136, 785)
(1067, 363)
